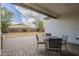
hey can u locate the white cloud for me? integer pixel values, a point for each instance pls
(14, 23)
(29, 22)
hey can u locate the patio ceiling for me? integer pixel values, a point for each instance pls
(54, 10)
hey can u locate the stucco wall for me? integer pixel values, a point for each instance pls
(68, 24)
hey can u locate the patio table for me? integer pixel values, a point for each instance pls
(52, 37)
(53, 42)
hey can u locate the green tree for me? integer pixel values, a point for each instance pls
(5, 19)
(40, 25)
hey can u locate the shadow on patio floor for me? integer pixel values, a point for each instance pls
(54, 53)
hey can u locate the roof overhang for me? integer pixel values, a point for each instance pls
(52, 10)
(38, 8)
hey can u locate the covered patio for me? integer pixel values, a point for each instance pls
(62, 19)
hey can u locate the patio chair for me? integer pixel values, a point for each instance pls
(64, 41)
(48, 34)
(38, 40)
(45, 39)
(54, 45)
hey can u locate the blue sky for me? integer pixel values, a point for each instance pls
(17, 15)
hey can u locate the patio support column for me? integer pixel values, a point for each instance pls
(0, 43)
(0, 32)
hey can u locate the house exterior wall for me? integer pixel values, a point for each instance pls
(68, 24)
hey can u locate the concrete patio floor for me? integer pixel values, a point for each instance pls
(26, 46)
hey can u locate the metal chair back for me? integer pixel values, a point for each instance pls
(37, 38)
(48, 34)
(65, 37)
